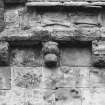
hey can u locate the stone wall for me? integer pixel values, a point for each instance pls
(52, 52)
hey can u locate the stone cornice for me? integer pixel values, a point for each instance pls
(81, 34)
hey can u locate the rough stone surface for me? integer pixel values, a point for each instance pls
(73, 27)
(26, 57)
(4, 53)
(76, 55)
(98, 53)
(23, 24)
(28, 77)
(83, 86)
(5, 78)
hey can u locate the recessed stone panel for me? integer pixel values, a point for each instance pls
(26, 57)
(75, 56)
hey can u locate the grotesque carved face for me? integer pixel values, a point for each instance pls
(51, 53)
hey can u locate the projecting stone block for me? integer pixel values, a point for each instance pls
(4, 53)
(12, 18)
(98, 53)
(50, 47)
(51, 60)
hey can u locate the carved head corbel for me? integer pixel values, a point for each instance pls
(51, 54)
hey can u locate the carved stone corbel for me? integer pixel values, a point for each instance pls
(51, 54)
(98, 53)
(4, 54)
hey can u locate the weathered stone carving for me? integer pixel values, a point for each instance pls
(50, 60)
(51, 47)
(51, 53)
(4, 53)
(98, 53)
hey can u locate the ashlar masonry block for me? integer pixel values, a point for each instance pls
(5, 78)
(65, 96)
(27, 77)
(93, 96)
(97, 77)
